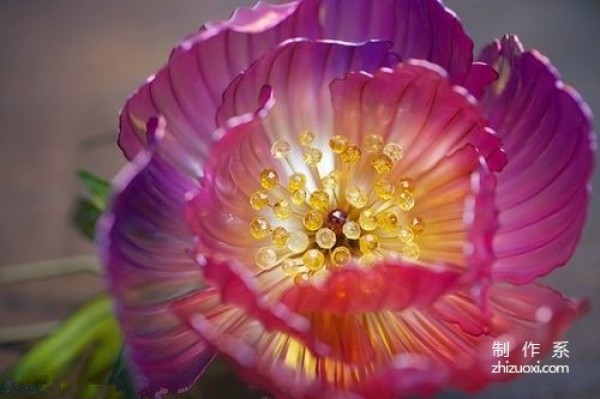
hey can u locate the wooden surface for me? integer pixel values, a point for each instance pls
(66, 67)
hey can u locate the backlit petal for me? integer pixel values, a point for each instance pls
(543, 193)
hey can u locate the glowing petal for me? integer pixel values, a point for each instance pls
(543, 194)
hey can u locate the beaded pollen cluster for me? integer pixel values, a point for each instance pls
(355, 213)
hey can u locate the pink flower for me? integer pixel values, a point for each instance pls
(338, 200)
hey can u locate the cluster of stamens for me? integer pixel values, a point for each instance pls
(317, 222)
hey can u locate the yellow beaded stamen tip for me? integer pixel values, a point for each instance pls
(368, 243)
(393, 151)
(280, 237)
(306, 138)
(351, 230)
(340, 256)
(351, 154)
(357, 197)
(313, 259)
(269, 179)
(299, 196)
(259, 228)
(298, 242)
(312, 156)
(259, 200)
(313, 220)
(266, 258)
(405, 200)
(367, 220)
(282, 209)
(319, 200)
(319, 224)
(387, 220)
(411, 251)
(373, 143)
(406, 184)
(296, 181)
(417, 225)
(338, 144)
(325, 238)
(382, 163)
(384, 189)
(330, 181)
(405, 234)
(280, 149)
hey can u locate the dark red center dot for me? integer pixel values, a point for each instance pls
(336, 219)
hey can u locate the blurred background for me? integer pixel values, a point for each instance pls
(66, 68)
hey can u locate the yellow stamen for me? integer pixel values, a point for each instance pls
(298, 242)
(367, 220)
(280, 149)
(405, 234)
(411, 251)
(382, 163)
(373, 143)
(338, 144)
(313, 220)
(296, 181)
(406, 184)
(351, 230)
(319, 200)
(405, 201)
(384, 189)
(357, 197)
(417, 225)
(340, 256)
(330, 181)
(387, 220)
(266, 258)
(368, 243)
(282, 209)
(313, 259)
(259, 227)
(312, 156)
(299, 196)
(259, 200)
(345, 218)
(306, 138)
(393, 151)
(269, 179)
(325, 238)
(280, 237)
(351, 154)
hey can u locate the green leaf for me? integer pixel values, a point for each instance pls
(89, 208)
(89, 342)
(85, 217)
(97, 188)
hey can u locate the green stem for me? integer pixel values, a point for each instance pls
(25, 272)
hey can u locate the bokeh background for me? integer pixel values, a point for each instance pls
(66, 68)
